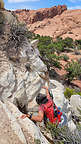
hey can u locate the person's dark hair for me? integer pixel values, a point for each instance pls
(41, 99)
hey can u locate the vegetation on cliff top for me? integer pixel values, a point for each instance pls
(50, 51)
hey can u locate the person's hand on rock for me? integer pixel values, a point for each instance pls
(23, 116)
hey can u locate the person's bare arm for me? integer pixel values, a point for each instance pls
(47, 92)
(37, 118)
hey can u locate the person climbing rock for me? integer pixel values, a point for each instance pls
(48, 111)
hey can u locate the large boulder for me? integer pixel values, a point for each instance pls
(58, 92)
(75, 102)
(10, 130)
(30, 130)
(20, 72)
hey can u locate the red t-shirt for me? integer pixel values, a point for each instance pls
(41, 107)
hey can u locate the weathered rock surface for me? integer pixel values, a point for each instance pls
(20, 79)
(10, 130)
(17, 130)
(67, 24)
(57, 90)
(20, 82)
(75, 102)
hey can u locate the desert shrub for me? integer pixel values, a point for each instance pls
(68, 42)
(79, 93)
(73, 70)
(56, 63)
(68, 92)
(47, 49)
(43, 50)
(36, 36)
(65, 57)
(51, 48)
(78, 42)
(54, 56)
(59, 38)
(37, 141)
(79, 47)
(18, 34)
(62, 135)
(59, 46)
(29, 34)
(45, 40)
(54, 60)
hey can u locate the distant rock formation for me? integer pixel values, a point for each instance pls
(53, 22)
(33, 16)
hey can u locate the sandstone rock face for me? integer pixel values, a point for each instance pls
(58, 92)
(20, 79)
(10, 131)
(20, 82)
(15, 130)
(67, 24)
(38, 15)
(75, 102)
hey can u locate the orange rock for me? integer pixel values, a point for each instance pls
(54, 22)
(77, 83)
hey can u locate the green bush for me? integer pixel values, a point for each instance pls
(65, 57)
(45, 40)
(59, 46)
(59, 38)
(73, 70)
(37, 141)
(78, 42)
(43, 49)
(62, 135)
(54, 56)
(79, 93)
(47, 49)
(68, 42)
(51, 48)
(36, 36)
(68, 92)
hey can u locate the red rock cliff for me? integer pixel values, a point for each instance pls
(31, 16)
